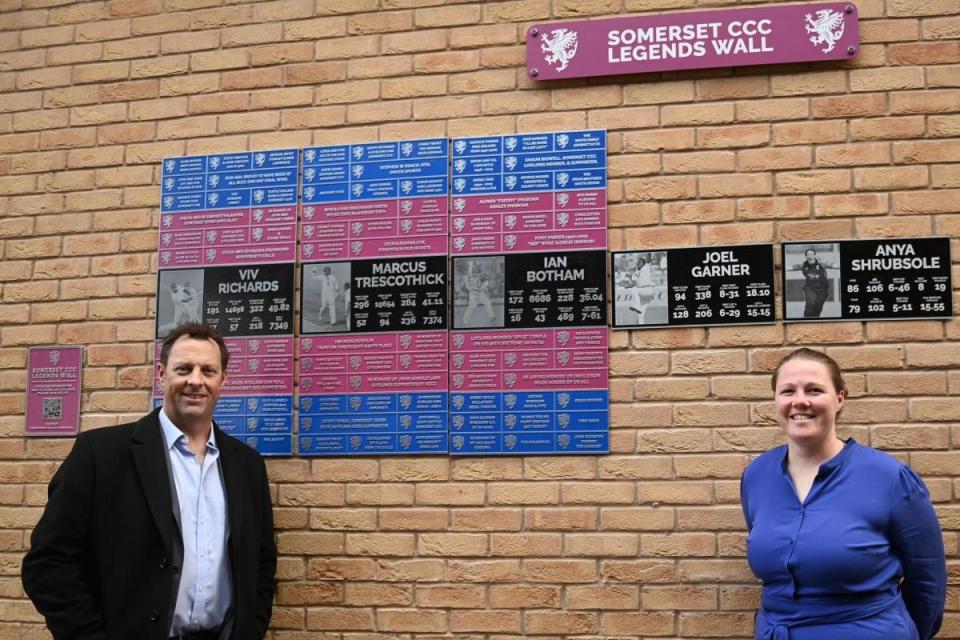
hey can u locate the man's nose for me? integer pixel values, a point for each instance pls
(194, 376)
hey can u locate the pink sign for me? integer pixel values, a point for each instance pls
(696, 40)
(374, 363)
(53, 391)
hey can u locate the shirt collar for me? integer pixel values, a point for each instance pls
(172, 433)
(830, 465)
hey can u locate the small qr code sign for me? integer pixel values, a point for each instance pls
(52, 408)
(53, 390)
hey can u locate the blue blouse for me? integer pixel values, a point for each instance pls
(832, 566)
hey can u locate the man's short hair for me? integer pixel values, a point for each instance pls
(196, 331)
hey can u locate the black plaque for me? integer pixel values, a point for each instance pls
(694, 286)
(530, 290)
(888, 279)
(397, 294)
(250, 300)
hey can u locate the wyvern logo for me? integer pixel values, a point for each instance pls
(828, 27)
(560, 47)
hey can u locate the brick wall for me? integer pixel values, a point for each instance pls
(645, 542)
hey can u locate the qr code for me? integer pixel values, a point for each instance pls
(52, 408)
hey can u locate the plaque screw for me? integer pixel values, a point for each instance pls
(850, 50)
(848, 8)
(534, 32)
(534, 72)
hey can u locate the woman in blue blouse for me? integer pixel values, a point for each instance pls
(843, 536)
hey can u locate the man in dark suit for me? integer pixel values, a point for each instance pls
(160, 528)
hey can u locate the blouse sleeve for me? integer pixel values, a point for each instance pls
(744, 504)
(916, 537)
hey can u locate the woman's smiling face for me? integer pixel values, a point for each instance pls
(807, 402)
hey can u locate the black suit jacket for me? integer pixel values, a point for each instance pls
(103, 563)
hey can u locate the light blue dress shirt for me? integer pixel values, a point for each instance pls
(206, 589)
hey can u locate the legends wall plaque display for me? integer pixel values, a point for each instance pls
(693, 40)
(528, 350)
(373, 345)
(227, 247)
(884, 279)
(693, 286)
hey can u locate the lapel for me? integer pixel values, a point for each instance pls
(146, 444)
(232, 469)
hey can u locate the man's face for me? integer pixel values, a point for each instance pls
(191, 379)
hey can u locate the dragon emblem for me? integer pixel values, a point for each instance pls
(827, 28)
(560, 46)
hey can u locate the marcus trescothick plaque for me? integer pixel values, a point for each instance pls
(373, 365)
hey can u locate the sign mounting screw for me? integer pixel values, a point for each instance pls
(534, 32)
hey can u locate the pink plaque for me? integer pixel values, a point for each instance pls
(694, 40)
(53, 391)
